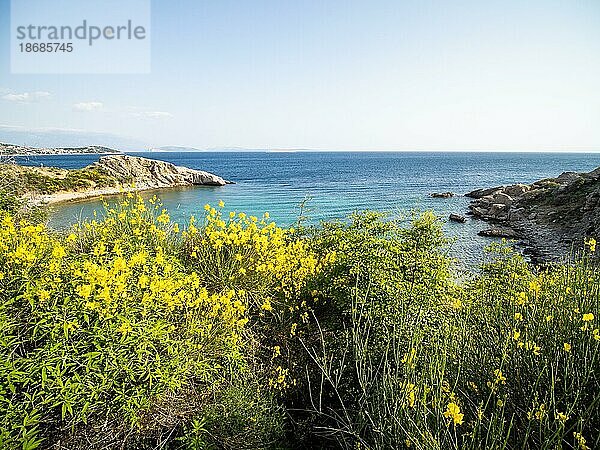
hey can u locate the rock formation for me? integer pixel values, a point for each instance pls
(551, 216)
(151, 174)
(111, 175)
(457, 218)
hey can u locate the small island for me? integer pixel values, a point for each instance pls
(111, 175)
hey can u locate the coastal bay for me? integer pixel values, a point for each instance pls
(339, 183)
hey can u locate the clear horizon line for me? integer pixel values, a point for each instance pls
(290, 150)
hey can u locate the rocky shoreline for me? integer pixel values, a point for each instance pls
(551, 217)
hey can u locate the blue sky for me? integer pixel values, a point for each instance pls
(339, 75)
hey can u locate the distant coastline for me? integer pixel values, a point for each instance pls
(21, 150)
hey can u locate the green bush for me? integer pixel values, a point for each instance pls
(132, 331)
(108, 341)
(508, 358)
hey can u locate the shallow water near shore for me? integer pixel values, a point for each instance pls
(339, 183)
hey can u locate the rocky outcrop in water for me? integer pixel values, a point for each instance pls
(442, 194)
(151, 174)
(457, 218)
(551, 216)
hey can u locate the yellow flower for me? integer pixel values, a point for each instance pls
(221, 204)
(567, 347)
(541, 412)
(267, 305)
(163, 218)
(453, 412)
(58, 252)
(561, 417)
(588, 317)
(516, 335)
(456, 303)
(591, 244)
(84, 291)
(125, 328)
(534, 286)
(276, 351)
(500, 378)
(207, 207)
(581, 442)
(518, 316)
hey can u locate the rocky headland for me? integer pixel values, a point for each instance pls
(111, 175)
(551, 217)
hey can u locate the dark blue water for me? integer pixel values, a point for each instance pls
(339, 183)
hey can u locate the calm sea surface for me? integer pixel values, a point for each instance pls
(339, 183)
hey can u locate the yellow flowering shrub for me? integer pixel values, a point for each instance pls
(268, 262)
(107, 324)
(132, 331)
(275, 268)
(508, 357)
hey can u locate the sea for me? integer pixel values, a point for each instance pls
(333, 185)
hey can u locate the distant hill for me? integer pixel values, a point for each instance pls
(175, 148)
(12, 149)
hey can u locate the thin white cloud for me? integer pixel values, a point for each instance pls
(88, 106)
(27, 97)
(153, 114)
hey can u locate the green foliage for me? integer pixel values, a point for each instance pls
(507, 359)
(133, 332)
(104, 335)
(50, 180)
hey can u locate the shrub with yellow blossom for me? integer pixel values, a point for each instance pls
(107, 324)
(131, 330)
(517, 364)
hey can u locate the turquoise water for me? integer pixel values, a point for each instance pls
(339, 183)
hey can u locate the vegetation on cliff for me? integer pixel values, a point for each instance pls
(109, 175)
(21, 180)
(131, 331)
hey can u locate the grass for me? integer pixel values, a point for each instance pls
(131, 331)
